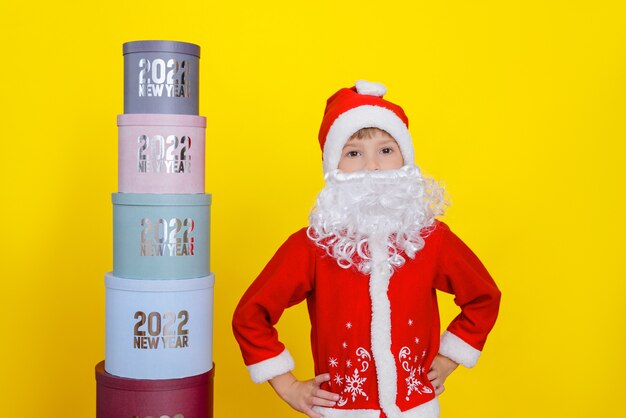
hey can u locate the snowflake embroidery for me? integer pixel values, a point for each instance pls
(354, 385)
(338, 379)
(348, 325)
(417, 340)
(410, 322)
(332, 362)
(423, 353)
(348, 363)
(412, 384)
(344, 344)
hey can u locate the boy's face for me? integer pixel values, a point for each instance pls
(379, 151)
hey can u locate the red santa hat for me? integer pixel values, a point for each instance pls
(361, 106)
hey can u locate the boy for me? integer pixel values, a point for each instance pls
(368, 266)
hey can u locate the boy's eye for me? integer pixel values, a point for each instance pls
(352, 154)
(387, 150)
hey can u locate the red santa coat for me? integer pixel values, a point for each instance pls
(375, 335)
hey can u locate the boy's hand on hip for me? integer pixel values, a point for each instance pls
(304, 395)
(441, 368)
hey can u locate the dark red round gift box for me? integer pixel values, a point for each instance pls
(189, 397)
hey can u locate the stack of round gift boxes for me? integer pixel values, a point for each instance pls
(159, 297)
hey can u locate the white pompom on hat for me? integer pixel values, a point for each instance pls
(361, 106)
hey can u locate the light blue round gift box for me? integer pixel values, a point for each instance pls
(159, 329)
(161, 236)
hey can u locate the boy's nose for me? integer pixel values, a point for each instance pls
(371, 164)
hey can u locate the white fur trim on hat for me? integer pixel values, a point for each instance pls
(366, 116)
(370, 88)
(458, 350)
(275, 366)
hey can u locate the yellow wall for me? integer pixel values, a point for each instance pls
(517, 105)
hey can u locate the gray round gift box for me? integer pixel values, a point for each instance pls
(161, 236)
(161, 77)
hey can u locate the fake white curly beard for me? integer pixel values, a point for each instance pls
(397, 206)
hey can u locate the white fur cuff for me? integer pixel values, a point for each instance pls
(272, 367)
(458, 350)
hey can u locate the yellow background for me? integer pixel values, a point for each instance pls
(517, 105)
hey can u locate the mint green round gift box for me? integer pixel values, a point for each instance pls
(161, 236)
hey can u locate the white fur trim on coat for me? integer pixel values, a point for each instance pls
(381, 328)
(428, 410)
(366, 116)
(272, 367)
(347, 413)
(458, 350)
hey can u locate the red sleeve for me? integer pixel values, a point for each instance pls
(461, 273)
(285, 281)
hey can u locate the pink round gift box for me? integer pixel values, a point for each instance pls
(190, 397)
(161, 153)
